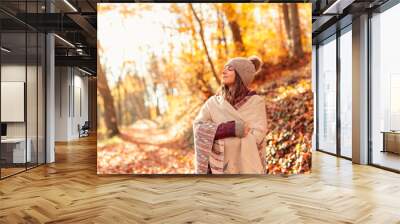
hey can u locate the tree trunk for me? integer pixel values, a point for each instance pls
(237, 37)
(110, 117)
(138, 106)
(285, 10)
(155, 79)
(296, 31)
(221, 26)
(201, 32)
(146, 111)
(200, 70)
(282, 38)
(128, 109)
(219, 38)
(235, 28)
(286, 19)
(224, 37)
(119, 102)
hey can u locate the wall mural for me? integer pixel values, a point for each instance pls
(204, 88)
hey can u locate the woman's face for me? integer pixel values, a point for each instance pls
(228, 75)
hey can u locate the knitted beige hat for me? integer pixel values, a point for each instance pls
(246, 68)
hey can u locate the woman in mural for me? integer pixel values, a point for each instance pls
(230, 128)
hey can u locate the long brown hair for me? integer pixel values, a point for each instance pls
(236, 92)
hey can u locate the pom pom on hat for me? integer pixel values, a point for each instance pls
(256, 62)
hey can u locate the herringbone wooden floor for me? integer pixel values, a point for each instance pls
(69, 191)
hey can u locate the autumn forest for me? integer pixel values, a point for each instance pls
(158, 63)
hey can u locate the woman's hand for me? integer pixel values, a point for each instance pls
(241, 129)
(246, 129)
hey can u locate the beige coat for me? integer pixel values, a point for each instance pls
(230, 155)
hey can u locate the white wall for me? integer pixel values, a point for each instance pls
(61, 103)
(71, 94)
(80, 115)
